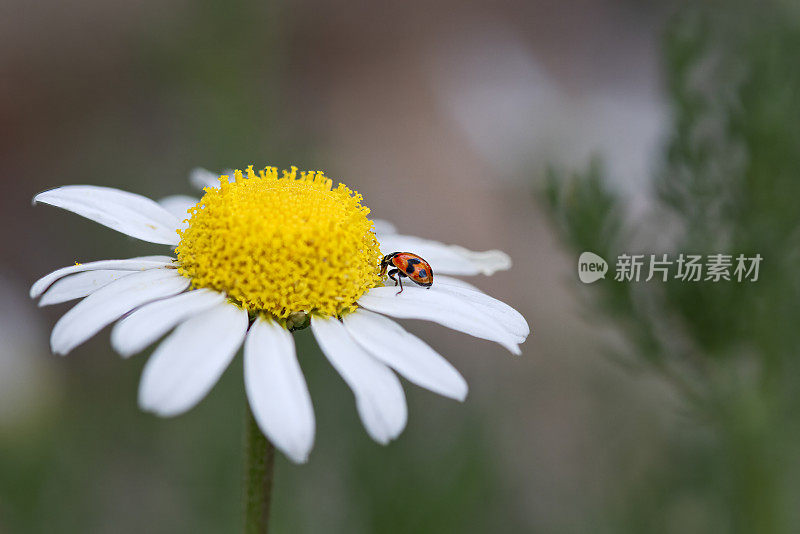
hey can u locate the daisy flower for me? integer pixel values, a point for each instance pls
(259, 256)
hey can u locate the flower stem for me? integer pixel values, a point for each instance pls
(258, 473)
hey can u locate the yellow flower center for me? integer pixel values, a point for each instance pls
(281, 244)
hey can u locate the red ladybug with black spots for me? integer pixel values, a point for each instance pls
(407, 265)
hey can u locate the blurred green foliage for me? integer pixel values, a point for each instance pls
(728, 183)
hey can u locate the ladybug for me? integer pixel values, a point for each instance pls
(407, 265)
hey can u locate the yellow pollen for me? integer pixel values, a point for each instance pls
(281, 244)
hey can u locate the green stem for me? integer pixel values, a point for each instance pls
(258, 473)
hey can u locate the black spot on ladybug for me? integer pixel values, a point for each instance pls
(410, 268)
(423, 273)
(413, 261)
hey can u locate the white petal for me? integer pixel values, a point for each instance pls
(487, 262)
(508, 317)
(450, 310)
(145, 325)
(133, 264)
(79, 285)
(442, 280)
(129, 213)
(382, 227)
(407, 354)
(511, 319)
(277, 391)
(447, 259)
(187, 364)
(179, 206)
(380, 400)
(108, 304)
(202, 178)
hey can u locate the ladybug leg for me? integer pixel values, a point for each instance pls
(397, 276)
